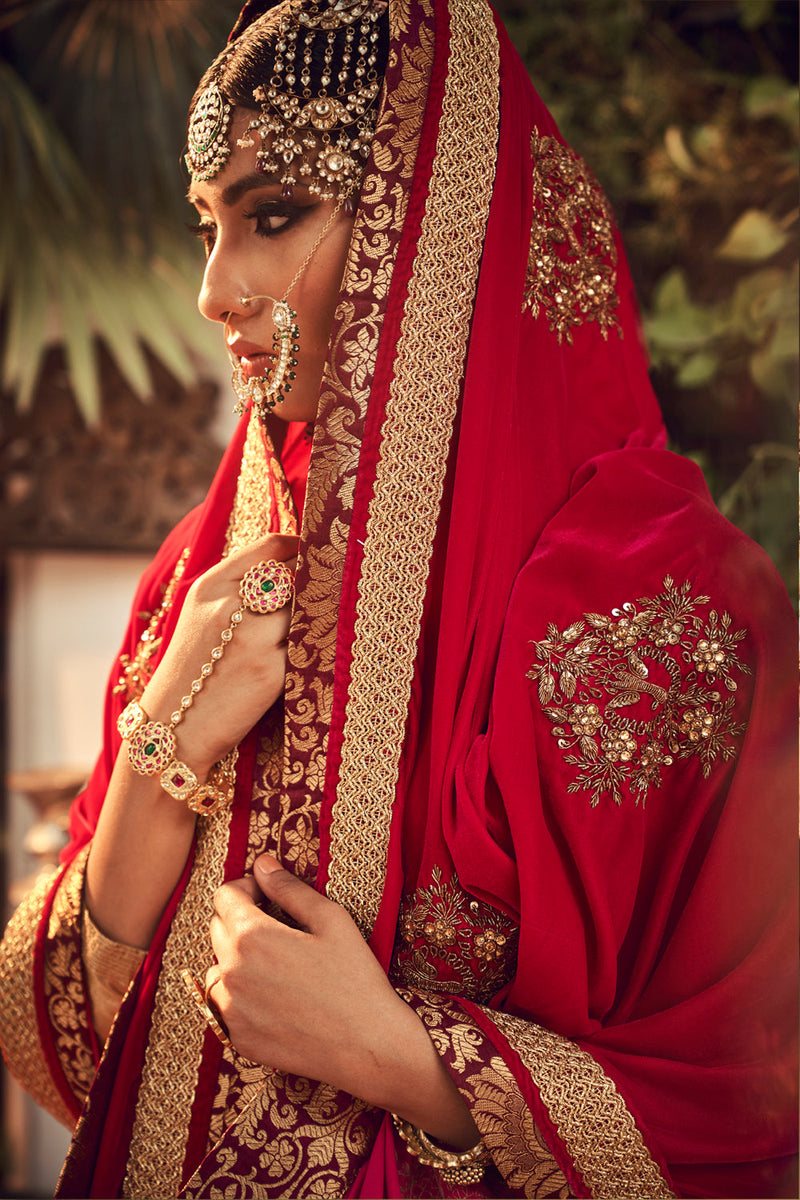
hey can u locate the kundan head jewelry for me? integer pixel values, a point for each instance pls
(318, 135)
(316, 122)
(152, 745)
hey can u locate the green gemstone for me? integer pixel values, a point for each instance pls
(150, 748)
(267, 586)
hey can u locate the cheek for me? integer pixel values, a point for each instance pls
(323, 286)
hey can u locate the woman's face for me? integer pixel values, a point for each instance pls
(255, 242)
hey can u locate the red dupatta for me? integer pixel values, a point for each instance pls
(485, 495)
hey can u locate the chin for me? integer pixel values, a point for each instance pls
(296, 408)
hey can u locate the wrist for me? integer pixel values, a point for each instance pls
(153, 752)
(407, 1077)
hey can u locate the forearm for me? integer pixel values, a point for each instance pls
(139, 851)
(415, 1084)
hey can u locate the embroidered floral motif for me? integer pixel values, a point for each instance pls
(136, 671)
(449, 942)
(572, 259)
(664, 660)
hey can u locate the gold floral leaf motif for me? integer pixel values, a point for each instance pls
(63, 991)
(584, 682)
(496, 1103)
(64, 988)
(447, 941)
(572, 259)
(237, 1084)
(509, 1131)
(294, 1137)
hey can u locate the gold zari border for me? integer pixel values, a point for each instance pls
(409, 478)
(174, 1050)
(496, 1104)
(22, 1044)
(591, 1117)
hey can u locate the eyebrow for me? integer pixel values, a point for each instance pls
(233, 193)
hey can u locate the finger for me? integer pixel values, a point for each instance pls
(213, 977)
(279, 546)
(305, 905)
(237, 897)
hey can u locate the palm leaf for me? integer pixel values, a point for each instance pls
(89, 142)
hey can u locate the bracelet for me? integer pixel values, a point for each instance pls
(151, 751)
(152, 745)
(466, 1166)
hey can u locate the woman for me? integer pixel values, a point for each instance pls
(494, 829)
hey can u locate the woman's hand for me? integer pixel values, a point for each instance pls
(315, 1002)
(249, 677)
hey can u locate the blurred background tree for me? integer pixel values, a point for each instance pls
(686, 110)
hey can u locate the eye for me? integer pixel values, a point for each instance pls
(207, 232)
(272, 216)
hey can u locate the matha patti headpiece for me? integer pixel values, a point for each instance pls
(318, 111)
(320, 136)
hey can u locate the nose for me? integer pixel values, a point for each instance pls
(221, 292)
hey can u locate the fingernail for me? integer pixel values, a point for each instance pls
(266, 863)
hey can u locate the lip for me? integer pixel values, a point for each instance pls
(253, 359)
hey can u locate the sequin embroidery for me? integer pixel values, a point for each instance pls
(572, 260)
(631, 694)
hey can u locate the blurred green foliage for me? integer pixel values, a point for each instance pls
(687, 112)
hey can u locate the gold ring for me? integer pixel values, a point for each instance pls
(267, 587)
(213, 1019)
(217, 970)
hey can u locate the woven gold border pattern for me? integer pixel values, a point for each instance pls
(174, 1050)
(591, 1117)
(410, 475)
(20, 1029)
(344, 396)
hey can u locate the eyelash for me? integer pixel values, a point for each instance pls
(261, 214)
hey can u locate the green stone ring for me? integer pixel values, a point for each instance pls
(267, 587)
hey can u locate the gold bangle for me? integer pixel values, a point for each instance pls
(457, 1167)
(213, 1018)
